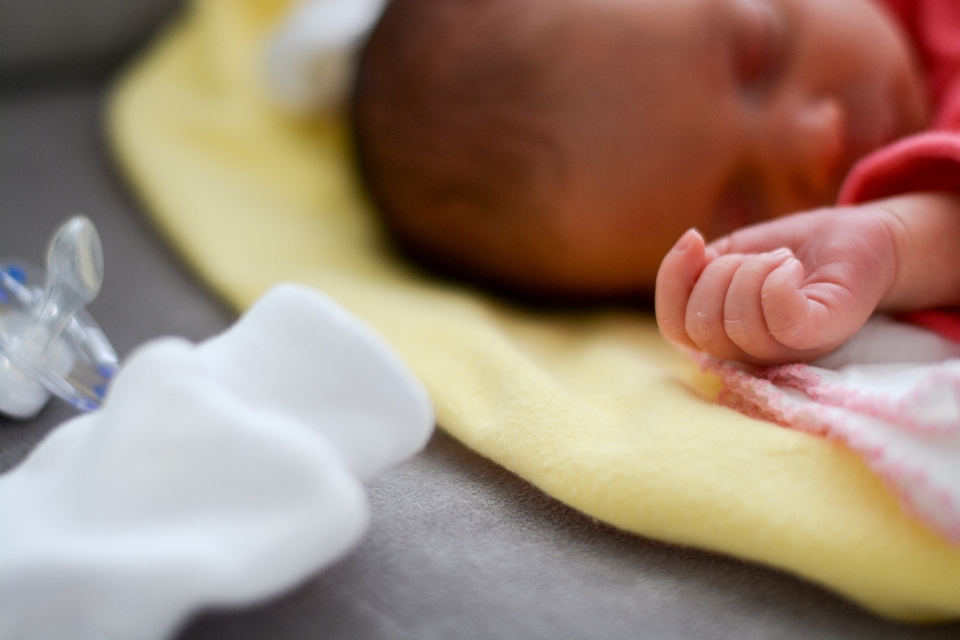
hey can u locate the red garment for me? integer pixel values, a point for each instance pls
(928, 161)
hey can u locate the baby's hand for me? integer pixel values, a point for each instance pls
(787, 290)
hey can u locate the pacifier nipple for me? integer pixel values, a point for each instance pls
(74, 276)
(47, 342)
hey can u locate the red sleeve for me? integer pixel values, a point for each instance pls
(924, 162)
(942, 321)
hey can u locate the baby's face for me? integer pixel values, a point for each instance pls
(719, 113)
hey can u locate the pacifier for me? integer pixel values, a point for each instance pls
(48, 342)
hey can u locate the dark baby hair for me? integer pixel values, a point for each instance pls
(451, 114)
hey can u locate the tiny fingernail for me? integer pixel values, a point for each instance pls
(782, 252)
(685, 240)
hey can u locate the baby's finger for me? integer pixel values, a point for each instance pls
(743, 317)
(790, 231)
(704, 316)
(675, 280)
(795, 319)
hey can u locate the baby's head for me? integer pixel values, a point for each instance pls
(561, 147)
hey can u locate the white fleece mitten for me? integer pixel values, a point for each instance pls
(297, 352)
(206, 479)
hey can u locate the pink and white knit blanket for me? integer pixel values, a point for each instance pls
(891, 394)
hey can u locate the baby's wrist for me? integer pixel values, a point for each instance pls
(924, 230)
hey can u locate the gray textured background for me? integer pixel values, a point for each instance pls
(61, 37)
(458, 547)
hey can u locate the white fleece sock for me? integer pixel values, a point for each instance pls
(187, 490)
(297, 352)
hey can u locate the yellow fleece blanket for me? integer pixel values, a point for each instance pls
(593, 408)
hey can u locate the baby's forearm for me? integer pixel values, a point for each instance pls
(925, 229)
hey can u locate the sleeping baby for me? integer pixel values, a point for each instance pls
(570, 148)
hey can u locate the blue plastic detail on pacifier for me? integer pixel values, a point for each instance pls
(17, 273)
(48, 342)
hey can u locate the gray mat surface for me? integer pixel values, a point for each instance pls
(458, 547)
(61, 37)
